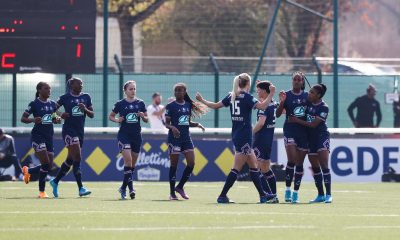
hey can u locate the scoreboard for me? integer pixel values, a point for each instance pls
(54, 36)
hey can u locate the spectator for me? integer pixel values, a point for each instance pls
(396, 113)
(8, 156)
(366, 106)
(155, 113)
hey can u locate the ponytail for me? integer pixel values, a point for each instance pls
(240, 81)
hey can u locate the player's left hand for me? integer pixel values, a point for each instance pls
(201, 127)
(141, 114)
(292, 119)
(82, 107)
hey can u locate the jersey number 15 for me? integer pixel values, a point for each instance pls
(235, 108)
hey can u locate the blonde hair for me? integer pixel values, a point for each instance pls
(198, 108)
(240, 81)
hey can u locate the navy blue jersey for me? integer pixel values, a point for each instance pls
(43, 110)
(129, 110)
(180, 115)
(241, 114)
(295, 104)
(270, 115)
(320, 111)
(76, 119)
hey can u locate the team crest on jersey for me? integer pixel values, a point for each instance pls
(76, 111)
(310, 118)
(299, 111)
(47, 119)
(184, 120)
(132, 118)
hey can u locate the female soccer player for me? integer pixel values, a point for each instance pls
(130, 110)
(294, 102)
(43, 110)
(317, 113)
(178, 119)
(77, 106)
(241, 104)
(263, 136)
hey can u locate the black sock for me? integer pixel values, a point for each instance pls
(298, 175)
(127, 177)
(318, 180)
(76, 168)
(255, 177)
(264, 184)
(230, 180)
(289, 174)
(42, 176)
(35, 169)
(130, 181)
(327, 180)
(185, 176)
(270, 176)
(172, 180)
(65, 167)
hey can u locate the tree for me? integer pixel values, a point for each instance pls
(129, 13)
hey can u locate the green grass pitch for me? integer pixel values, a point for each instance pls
(358, 211)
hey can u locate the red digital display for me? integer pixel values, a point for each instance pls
(55, 36)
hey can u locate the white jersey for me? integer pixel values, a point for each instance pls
(156, 122)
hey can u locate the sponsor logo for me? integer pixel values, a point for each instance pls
(148, 174)
(299, 111)
(184, 120)
(47, 119)
(132, 118)
(76, 111)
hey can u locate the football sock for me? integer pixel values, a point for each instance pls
(185, 176)
(230, 180)
(298, 175)
(289, 174)
(270, 176)
(318, 180)
(65, 166)
(327, 180)
(172, 179)
(255, 177)
(42, 176)
(76, 168)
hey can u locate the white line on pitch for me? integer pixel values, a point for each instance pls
(371, 227)
(157, 228)
(193, 213)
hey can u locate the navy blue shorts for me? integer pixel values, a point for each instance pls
(42, 143)
(295, 134)
(242, 146)
(134, 143)
(72, 136)
(319, 142)
(262, 146)
(177, 146)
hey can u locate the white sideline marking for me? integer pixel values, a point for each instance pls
(194, 213)
(371, 227)
(106, 229)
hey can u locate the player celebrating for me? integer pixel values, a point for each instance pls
(130, 110)
(77, 106)
(294, 102)
(178, 119)
(263, 136)
(317, 113)
(43, 110)
(241, 104)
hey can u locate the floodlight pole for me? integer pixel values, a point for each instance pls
(105, 62)
(335, 63)
(267, 37)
